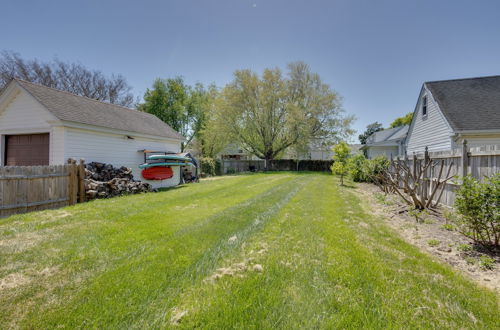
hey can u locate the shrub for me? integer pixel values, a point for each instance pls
(357, 165)
(209, 166)
(478, 206)
(373, 168)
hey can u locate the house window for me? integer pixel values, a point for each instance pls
(424, 106)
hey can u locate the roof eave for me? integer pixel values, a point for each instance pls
(103, 129)
(478, 132)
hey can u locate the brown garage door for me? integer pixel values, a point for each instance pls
(27, 150)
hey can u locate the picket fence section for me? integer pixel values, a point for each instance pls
(31, 188)
(478, 162)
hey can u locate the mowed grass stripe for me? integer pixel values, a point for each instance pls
(85, 242)
(138, 290)
(320, 273)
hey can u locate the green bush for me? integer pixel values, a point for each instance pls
(374, 167)
(209, 166)
(357, 164)
(478, 206)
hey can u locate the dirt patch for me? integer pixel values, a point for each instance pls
(177, 316)
(247, 263)
(22, 241)
(13, 281)
(434, 235)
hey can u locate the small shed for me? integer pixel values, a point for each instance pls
(45, 126)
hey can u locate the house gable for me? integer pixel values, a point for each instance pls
(431, 130)
(21, 113)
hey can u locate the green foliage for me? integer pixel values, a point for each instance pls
(210, 166)
(418, 214)
(357, 168)
(182, 107)
(341, 160)
(370, 129)
(486, 262)
(402, 121)
(433, 242)
(478, 205)
(448, 226)
(167, 100)
(374, 167)
(464, 247)
(270, 113)
(470, 260)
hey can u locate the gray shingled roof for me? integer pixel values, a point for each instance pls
(469, 104)
(390, 134)
(73, 108)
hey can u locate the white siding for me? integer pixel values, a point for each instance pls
(386, 151)
(477, 140)
(321, 155)
(24, 115)
(117, 150)
(431, 131)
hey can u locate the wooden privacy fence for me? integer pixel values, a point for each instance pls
(31, 188)
(477, 162)
(236, 166)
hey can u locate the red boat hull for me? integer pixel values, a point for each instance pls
(157, 173)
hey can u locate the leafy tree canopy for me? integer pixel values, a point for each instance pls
(181, 106)
(341, 153)
(370, 129)
(268, 114)
(402, 121)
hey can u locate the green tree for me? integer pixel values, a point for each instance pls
(402, 121)
(211, 138)
(370, 129)
(268, 114)
(341, 160)
(181, 106)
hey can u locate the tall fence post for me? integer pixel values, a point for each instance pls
(464, 159)
(72, 182)
(425, 175)
(81, 181)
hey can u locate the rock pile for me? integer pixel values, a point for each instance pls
(105, 180)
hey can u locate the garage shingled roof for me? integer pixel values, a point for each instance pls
(74, 108)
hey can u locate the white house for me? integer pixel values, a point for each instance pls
(41, 126)
(388, 143)
(449, 111)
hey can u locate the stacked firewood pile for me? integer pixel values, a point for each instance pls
(105, 180)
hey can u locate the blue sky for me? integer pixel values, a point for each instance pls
(375, 53)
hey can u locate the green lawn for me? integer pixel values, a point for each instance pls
(251, 251)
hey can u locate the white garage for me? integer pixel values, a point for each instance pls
(41, 125)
